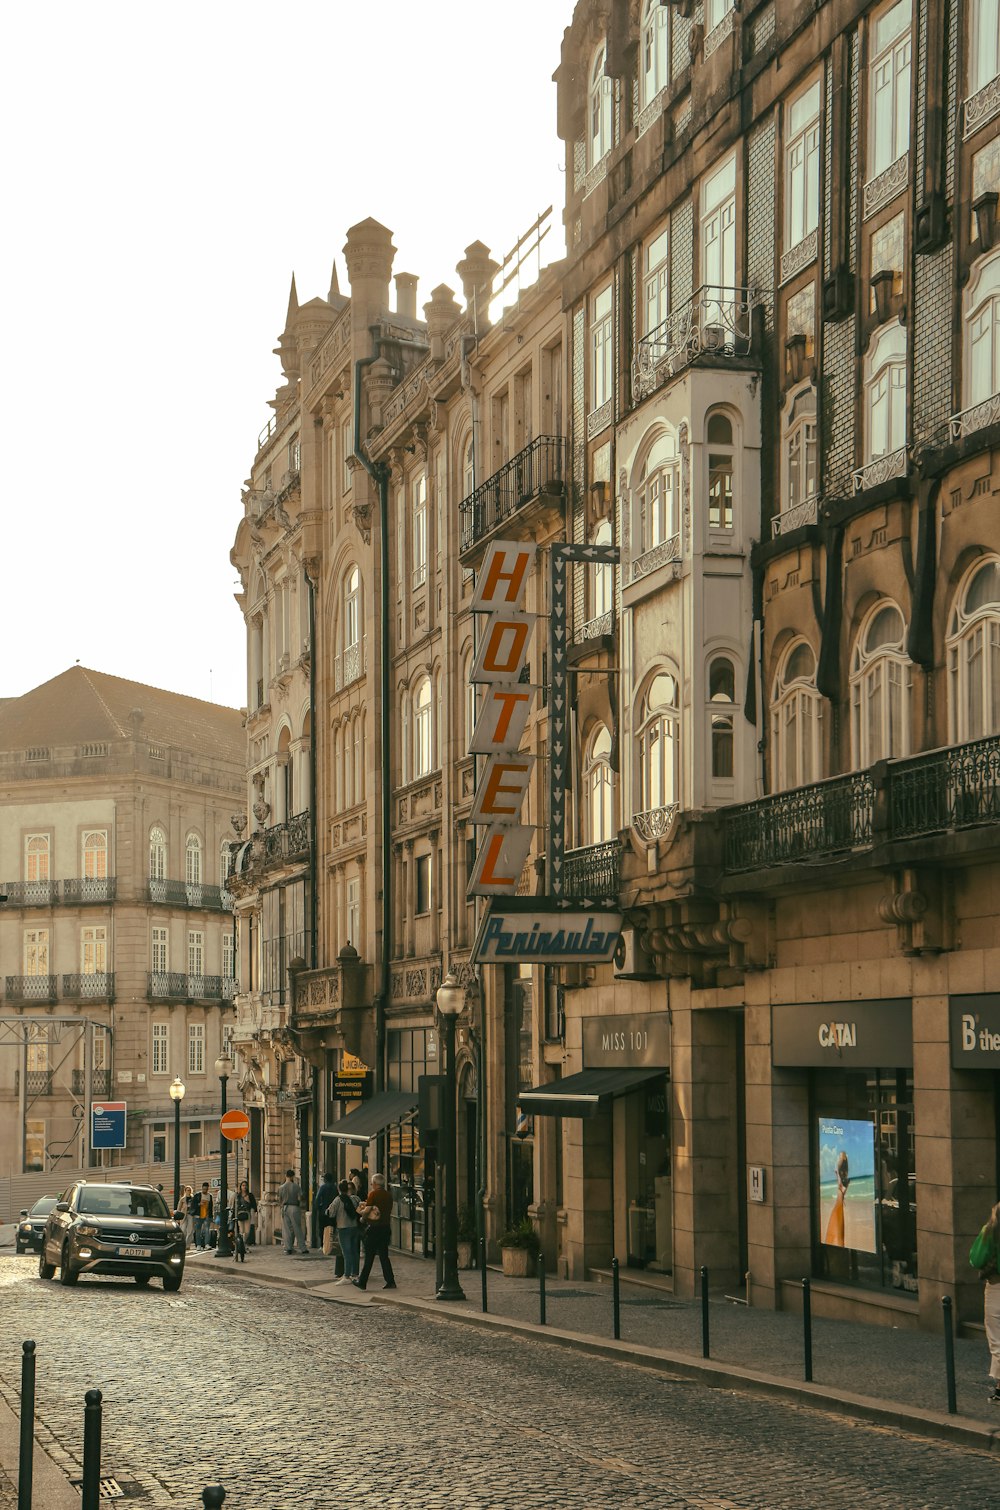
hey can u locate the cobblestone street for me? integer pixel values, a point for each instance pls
(291, 1402)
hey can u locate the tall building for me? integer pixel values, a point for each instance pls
(116, 932)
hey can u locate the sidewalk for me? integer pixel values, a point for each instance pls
(872, 1373)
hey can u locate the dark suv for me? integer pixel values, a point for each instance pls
(31, 1227)
(113, 1229)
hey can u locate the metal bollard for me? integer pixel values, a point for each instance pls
(213, 1496)
(482, 1271)
(91, 1486)
(704, 1312)
(949, 1353)
(26, 1458)
(616, 1299)
(807, 1330)
(541, 1288)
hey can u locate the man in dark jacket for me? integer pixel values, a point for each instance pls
(325, 1196)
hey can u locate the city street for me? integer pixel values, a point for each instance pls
(290, 1401)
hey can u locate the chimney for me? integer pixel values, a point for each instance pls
(369, 252)
(477, 270)
(406, 295)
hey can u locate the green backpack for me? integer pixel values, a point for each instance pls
(982, 1254)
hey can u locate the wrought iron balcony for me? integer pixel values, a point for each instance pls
(977, 417)
(36, 1082)
(538, 468)
(75, 892)
(287, 841)
(882, 469)
(185, 894)
(98, 985)
(174, 985)
(655, 823)
(808, 822)
(230, 986)
(204, 987)
(89, 889)
(30, 987)
(945, 789)
(716, 324)
(795, 517)
(31, 893)
(593, 873)
(100, 1082)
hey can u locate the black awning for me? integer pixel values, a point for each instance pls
(582, 1095)
(373, 1117)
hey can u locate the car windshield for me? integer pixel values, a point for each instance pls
(44, 1206)
(103, 1202)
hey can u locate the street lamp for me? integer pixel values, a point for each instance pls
(450, 1001)
(223, 1068)
(177, 1096)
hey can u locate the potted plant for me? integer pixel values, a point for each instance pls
(467, 1236)
(519, 1248)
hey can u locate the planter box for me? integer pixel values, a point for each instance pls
(518, 1263)
(465, 1251)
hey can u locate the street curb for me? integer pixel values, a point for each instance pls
(50, 1485)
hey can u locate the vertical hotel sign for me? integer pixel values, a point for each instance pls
(503, 714)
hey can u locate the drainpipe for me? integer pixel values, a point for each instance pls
(379, 474)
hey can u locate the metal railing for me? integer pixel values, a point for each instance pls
(538, 466)
(716, 322)
(593, 873)
(100, 1082)
(75, 891)
(95, 985)
(185, 894)
(175, 985)
(287, 841)
(807, 822)
(30, 987)
(952, 788)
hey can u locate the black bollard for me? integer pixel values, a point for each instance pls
(541, 1288)
(807, 1330)
(26, 1460)
(482, 1271)
(616, 1299)
(704, 1312)
(91, 1487)
(213, 1496)
(949, 1353)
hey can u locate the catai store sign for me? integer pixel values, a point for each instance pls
(975, 1031)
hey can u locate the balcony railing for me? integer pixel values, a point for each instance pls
(807, 822)
(715, 323)
(655, 823)
(882, 469)
(174, 985)
(953, 788)
(100, 1082)
(184, 894)
(287, 841)
(977, 417)
(795, 517)
(98, 985)
(30, 987)
(593, 874)
(89, 889)
(74, 892)
(36, 1082)
(539, 467)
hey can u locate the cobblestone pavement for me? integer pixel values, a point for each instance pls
(290, 1402)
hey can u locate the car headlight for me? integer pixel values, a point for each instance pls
(87, 1231)
(25, 1227)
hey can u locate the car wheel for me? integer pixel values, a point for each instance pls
(19, 1249)
(172, 1282)
(68, 1272)
(45, 1271)
(142, 1280)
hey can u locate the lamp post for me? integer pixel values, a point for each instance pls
(450, 1001)
(223, 1068)
(177, 1096)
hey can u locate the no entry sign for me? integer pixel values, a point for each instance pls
(234, 1126)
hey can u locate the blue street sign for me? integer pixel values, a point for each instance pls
(107, 1124)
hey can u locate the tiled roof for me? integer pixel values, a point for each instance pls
(82, 707)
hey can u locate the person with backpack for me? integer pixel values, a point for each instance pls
(984, 1255)
(342, 1214)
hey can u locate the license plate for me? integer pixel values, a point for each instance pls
(135, 1252)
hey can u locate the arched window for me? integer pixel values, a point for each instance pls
(348, 750)
(422, 728)
(721, 711)
(796, 710)
(358, 733)
(655, 64)
(36, 858)
(405, 753)
(658, 728)
(352, 608)
(974, 655)
(599, 108)
(602, 581)
(95, 855)
(982, 333)
(469, 468)
(719, 435)
(192, 860)
(800, 473)
(656, 495)
(469, 702)
(880, 688)
(599, 787)
(157, 854)
(885, 393)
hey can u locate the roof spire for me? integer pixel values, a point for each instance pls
(334, 284)
(293, 304)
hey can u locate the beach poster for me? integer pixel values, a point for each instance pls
(847, 1184)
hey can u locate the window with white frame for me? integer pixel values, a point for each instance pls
(196, 1140)
(158, 952)
(352, 608)
(35, 949)
(422, 728)
(889, 88)
(656, 494)
(796, 711)
(716, 12)
(982, 332)
(100, 1046)
(160, 1058)
(885, 392)
(228, 1033)
(654, 71)
(196, 1048)
(601, 348)
(93, 951)
(880, 688)
(37, 853)
(419, 527)
(195, 952)
(405, 749)
(601, 584)
(657, 744)
(469, 468)
(802, 166)
(37, 1046)
(656, 280)
(718, 231)
(422, 884)
(984, 49)
(358, 741)
(469, 695)
(721, 717)
(192, 860)
(600, 99)
(800, 458)
(973, 648)
(599, 788)
(721, 466)
(95, 854)
(347, 754)
(353, 910)
(228, 954)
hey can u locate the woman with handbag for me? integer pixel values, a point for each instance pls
(245, 1210)
(343, 1217)
(984, 1255)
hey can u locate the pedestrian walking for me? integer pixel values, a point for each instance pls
(186, 1208)
(290, 1201)
(359, 1179)
(984, 1255)
(325, 1194)
(204, 1211)
(376, 1214)
(245, 1206)
(343, 1215)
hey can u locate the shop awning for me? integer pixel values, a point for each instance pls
(585, 1094)
(373, 1117)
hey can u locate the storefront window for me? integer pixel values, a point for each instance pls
(864, 1204)
(648, 1185)
(410, 1053)
(520, 1077)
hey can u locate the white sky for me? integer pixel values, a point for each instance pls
(167, 167)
